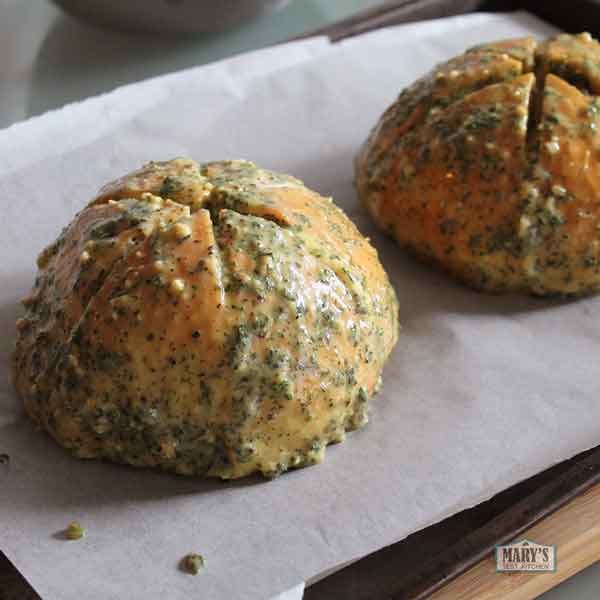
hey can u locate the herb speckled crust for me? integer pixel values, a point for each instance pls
(214, 319)
(489, 167)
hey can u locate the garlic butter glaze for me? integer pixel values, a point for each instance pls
(214, 319)
(489, 166)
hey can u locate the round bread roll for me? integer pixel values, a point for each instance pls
(489, 167)
(214, 319)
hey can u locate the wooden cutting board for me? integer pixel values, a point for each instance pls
(454, 558)
(574, 529)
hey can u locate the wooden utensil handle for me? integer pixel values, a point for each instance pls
(573, 16)
(395, 12)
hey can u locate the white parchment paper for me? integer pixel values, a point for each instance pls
(481, 392)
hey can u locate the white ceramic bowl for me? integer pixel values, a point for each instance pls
(168, 16)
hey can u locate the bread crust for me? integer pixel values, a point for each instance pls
(488, 167)
(213, 319)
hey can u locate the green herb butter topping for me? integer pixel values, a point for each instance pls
(489, 166)
(214, 319)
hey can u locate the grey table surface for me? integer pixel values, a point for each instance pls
(48, 59)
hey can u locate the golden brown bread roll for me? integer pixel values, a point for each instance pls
(489, 166)
(212, 319)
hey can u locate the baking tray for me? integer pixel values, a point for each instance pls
(425, 561)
